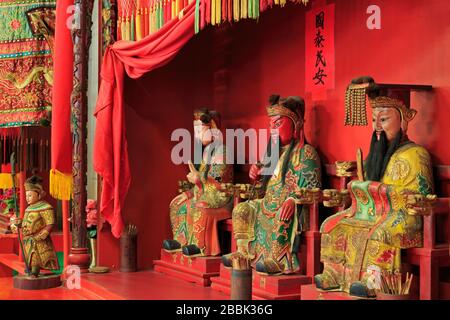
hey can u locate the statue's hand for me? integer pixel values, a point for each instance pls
(14, 224)
(287, 210)
(255, 172)
(17, 222)
(179, 199)
(418, 204)
(13, 228)
(193, 177)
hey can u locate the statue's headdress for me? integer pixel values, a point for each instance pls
(34, 183)
(379, 96)
(292, 107)
(207, 116)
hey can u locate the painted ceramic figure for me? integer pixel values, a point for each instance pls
(377, 225)
(265, 228)
(37, 225)
(194, 213)
(373, 278)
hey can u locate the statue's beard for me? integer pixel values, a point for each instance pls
(380, 153)
(284, 166)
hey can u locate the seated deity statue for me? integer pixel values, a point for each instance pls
(194, 213)
(267, 230)
(37, 225)
(370, 234)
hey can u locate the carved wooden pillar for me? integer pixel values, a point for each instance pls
(107, 24)
(81, 35)
(107, 29)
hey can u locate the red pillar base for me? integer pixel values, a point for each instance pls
(264, 287)
(80, 257)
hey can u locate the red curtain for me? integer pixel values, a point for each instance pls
(110, 145)
(61, 149)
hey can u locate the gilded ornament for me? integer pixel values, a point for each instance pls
(361, 196)
(399, 169)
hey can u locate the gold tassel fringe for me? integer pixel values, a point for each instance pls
(60, 185)
(6, 181)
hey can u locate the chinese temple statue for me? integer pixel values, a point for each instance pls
(194, 213)
(266, 229)
(370, 234)
(37, 224)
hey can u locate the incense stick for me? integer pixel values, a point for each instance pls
(392, 283)
(240, 262)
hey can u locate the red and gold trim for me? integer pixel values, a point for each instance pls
(355, 106)
(277, 110)
(386, 102)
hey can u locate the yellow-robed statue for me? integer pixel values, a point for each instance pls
(37, 225)
(370, 234)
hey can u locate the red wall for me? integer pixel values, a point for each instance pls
(156, 104)
(236, 69)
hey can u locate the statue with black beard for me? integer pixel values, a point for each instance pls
(371, 232)
(265, 229)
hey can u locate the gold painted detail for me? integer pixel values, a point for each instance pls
(262, 282)
(361, 195)
(399, 169)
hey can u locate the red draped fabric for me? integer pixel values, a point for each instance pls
(61, 148)
(110, 145)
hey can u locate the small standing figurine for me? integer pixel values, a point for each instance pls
(37, 225)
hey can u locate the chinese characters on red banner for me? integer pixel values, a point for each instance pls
(319, 69)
